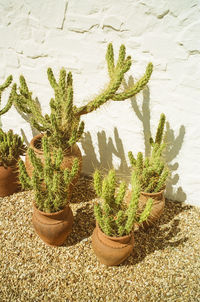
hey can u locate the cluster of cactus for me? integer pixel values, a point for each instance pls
(63, 125)
(11, 147)
(50, 182)
(152, 171)
(114, 216)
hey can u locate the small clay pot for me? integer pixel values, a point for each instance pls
(53, 228)
(111, 250)
(9, 182)
(157, 207)
(69, 156)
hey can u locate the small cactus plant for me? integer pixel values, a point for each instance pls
(63, 125)
(115, 217)
(49, 181)
(152, 171)
(11, 147)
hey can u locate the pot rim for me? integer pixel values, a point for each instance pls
(40, 151)
(114, 238)
(153, 194)
(32, 143)
(50, 214)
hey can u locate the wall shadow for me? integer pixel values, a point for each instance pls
(107, 147)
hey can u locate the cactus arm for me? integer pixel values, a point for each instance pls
(139, 163)
(160, 129)
(23, 176)
(130, 92)
(110, 59)
(131, 159)
(147, 210)
(7, 82)
(121, 193)
(162, 180)
(97, 183)
(51, 78)
(116, 77)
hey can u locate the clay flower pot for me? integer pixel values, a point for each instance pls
(69, 156)
(111, 250)
(53, 228)
(157, 208)
(9, 182)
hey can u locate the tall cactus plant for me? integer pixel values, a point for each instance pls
(114, 216)
(49, 181)
(63, 125)
(152, 172)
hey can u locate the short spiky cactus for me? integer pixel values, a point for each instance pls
(152, 171)
(63, 125)
(49, 181)
(114, 216)
(11, 147)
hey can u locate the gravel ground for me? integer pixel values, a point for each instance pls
(164, 266)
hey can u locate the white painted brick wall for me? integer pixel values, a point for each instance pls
(74, 34)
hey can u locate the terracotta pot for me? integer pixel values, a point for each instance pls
(9, 182)
(111, 250)
(69, 157)
(53, 228)
(157, 208)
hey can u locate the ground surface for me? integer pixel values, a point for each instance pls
(164, 266)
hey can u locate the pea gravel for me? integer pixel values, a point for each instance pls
(164, 266)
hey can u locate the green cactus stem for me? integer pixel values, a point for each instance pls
(152, 171)
(11, 147)
(114, 216)
(63, 125)
(51, 184)
(6, 84)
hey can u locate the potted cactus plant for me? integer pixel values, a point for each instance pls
(112, 239)
(52, 216)
(63, 125)
(11, 147)
(152, 173)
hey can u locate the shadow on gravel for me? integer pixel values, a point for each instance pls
(159, 237)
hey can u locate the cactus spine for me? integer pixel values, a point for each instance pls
(113, 215)
(63, 125)
(49, 181)
(152, 172)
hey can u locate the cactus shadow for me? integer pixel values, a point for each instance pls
(159, 237)
(83, 226)
(173, 143)
(107, 147)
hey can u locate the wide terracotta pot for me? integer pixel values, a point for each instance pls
(53, 228)
(9, 182)
(111, 250)
(70, 155)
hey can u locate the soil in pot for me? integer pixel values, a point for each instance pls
(111, 250)
(53, 228)
(9, 182)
